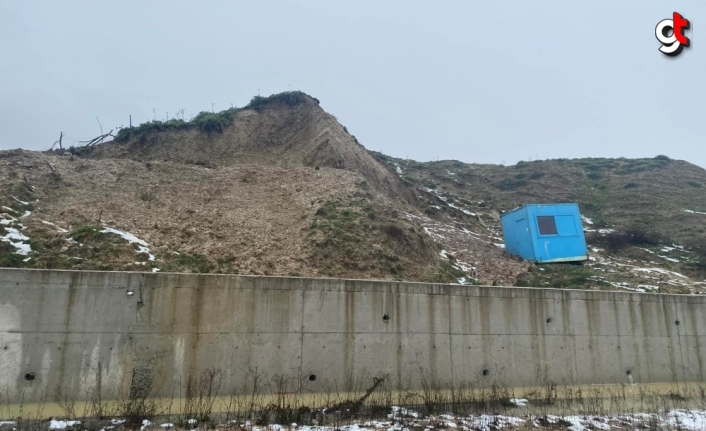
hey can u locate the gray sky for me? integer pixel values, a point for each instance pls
(481, 82)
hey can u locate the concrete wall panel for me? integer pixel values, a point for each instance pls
(69, 333)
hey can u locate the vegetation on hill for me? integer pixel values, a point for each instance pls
(648, 212)
(211, 122)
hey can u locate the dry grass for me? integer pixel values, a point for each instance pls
(265, 400)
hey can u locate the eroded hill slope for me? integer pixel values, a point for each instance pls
(279, 187)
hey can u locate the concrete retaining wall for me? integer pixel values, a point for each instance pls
(73, 333)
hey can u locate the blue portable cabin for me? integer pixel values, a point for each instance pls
(545, 233)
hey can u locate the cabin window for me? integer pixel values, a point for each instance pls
(547, 225)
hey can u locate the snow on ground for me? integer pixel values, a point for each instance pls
(444, 233)
(143, 246)
(401, 411)
(402, 419)
(671, 259)
(22, 202)
(12, 226)
(60, 425)
(13, 235)
(693, 212)
(7, 221)
(55, 226)
(661, 271)
(446, 201)
(586, 220)
(649, 276)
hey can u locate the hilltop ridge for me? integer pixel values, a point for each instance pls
(287, 129)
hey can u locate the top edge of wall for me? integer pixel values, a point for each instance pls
(71, 278)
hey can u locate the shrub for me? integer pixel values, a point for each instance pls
(209, 122)
(627, 238)
(511, 183)
(290, 98)
(694, 184)
(536, 175)
(85, 232)
(600, 223)
(79, 151)
(428, 184)
(630, 186)
(126, 133)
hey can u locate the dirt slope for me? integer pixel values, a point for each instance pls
(279, 187)
(298, 133)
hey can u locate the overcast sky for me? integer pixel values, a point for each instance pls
(476, 81)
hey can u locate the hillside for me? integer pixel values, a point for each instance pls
(644, 219)
(279, 187)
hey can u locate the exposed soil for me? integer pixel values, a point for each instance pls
(284, 189)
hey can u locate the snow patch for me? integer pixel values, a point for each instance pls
(519, 402)
(53, 225)
(693, 212)
(686, 419)
(60, 425)
(671, 259)
(16, 239)
(401, 411)
(446, 201)
(22, 202)
(143, 246)
(661, 271)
